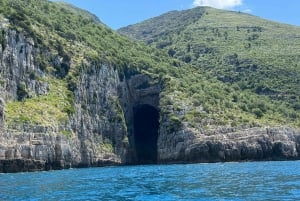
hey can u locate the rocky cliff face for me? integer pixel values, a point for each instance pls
(103, 129)
(96, 132)
(230, 144)
(99, 121)
(99, 132)
(29, 151)
(18, 68)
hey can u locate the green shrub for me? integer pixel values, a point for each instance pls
(21, 91)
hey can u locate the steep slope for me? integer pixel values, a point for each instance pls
(240, 50)
(65, 93)
(74, 93)
(258, 63)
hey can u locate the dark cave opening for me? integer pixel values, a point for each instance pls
(146, 127)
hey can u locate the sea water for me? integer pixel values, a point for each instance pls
(218, 181)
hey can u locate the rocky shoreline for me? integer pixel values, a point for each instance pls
(40, 152)
(252, 144)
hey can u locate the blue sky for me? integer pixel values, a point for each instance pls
(118, 13)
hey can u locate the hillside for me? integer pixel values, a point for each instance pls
(74, 93)
(242, 51)
(67, 40)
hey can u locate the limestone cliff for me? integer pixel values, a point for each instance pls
(231, 144)
(67, 100)
(18, 67)
(96, 131)
(100, 130)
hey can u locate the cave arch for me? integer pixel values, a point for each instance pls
(146, 129)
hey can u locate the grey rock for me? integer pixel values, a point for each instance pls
(102, 125)
(18, 67)
(240, 145)
(2, 114)
(21, 165)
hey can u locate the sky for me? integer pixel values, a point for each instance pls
(118, 13)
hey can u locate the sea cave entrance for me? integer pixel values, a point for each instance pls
(146, 127)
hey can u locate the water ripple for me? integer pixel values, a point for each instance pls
(220, 181)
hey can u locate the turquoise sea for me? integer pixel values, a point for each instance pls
(218, 181)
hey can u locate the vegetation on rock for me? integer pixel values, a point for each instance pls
(69, 40)
(246, 69)
(217, 68)
(47, 110)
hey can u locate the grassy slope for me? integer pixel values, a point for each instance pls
(49, 110)
(258, 58)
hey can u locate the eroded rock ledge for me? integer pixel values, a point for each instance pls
(37, 152)
(250, 144)
(45, 151)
